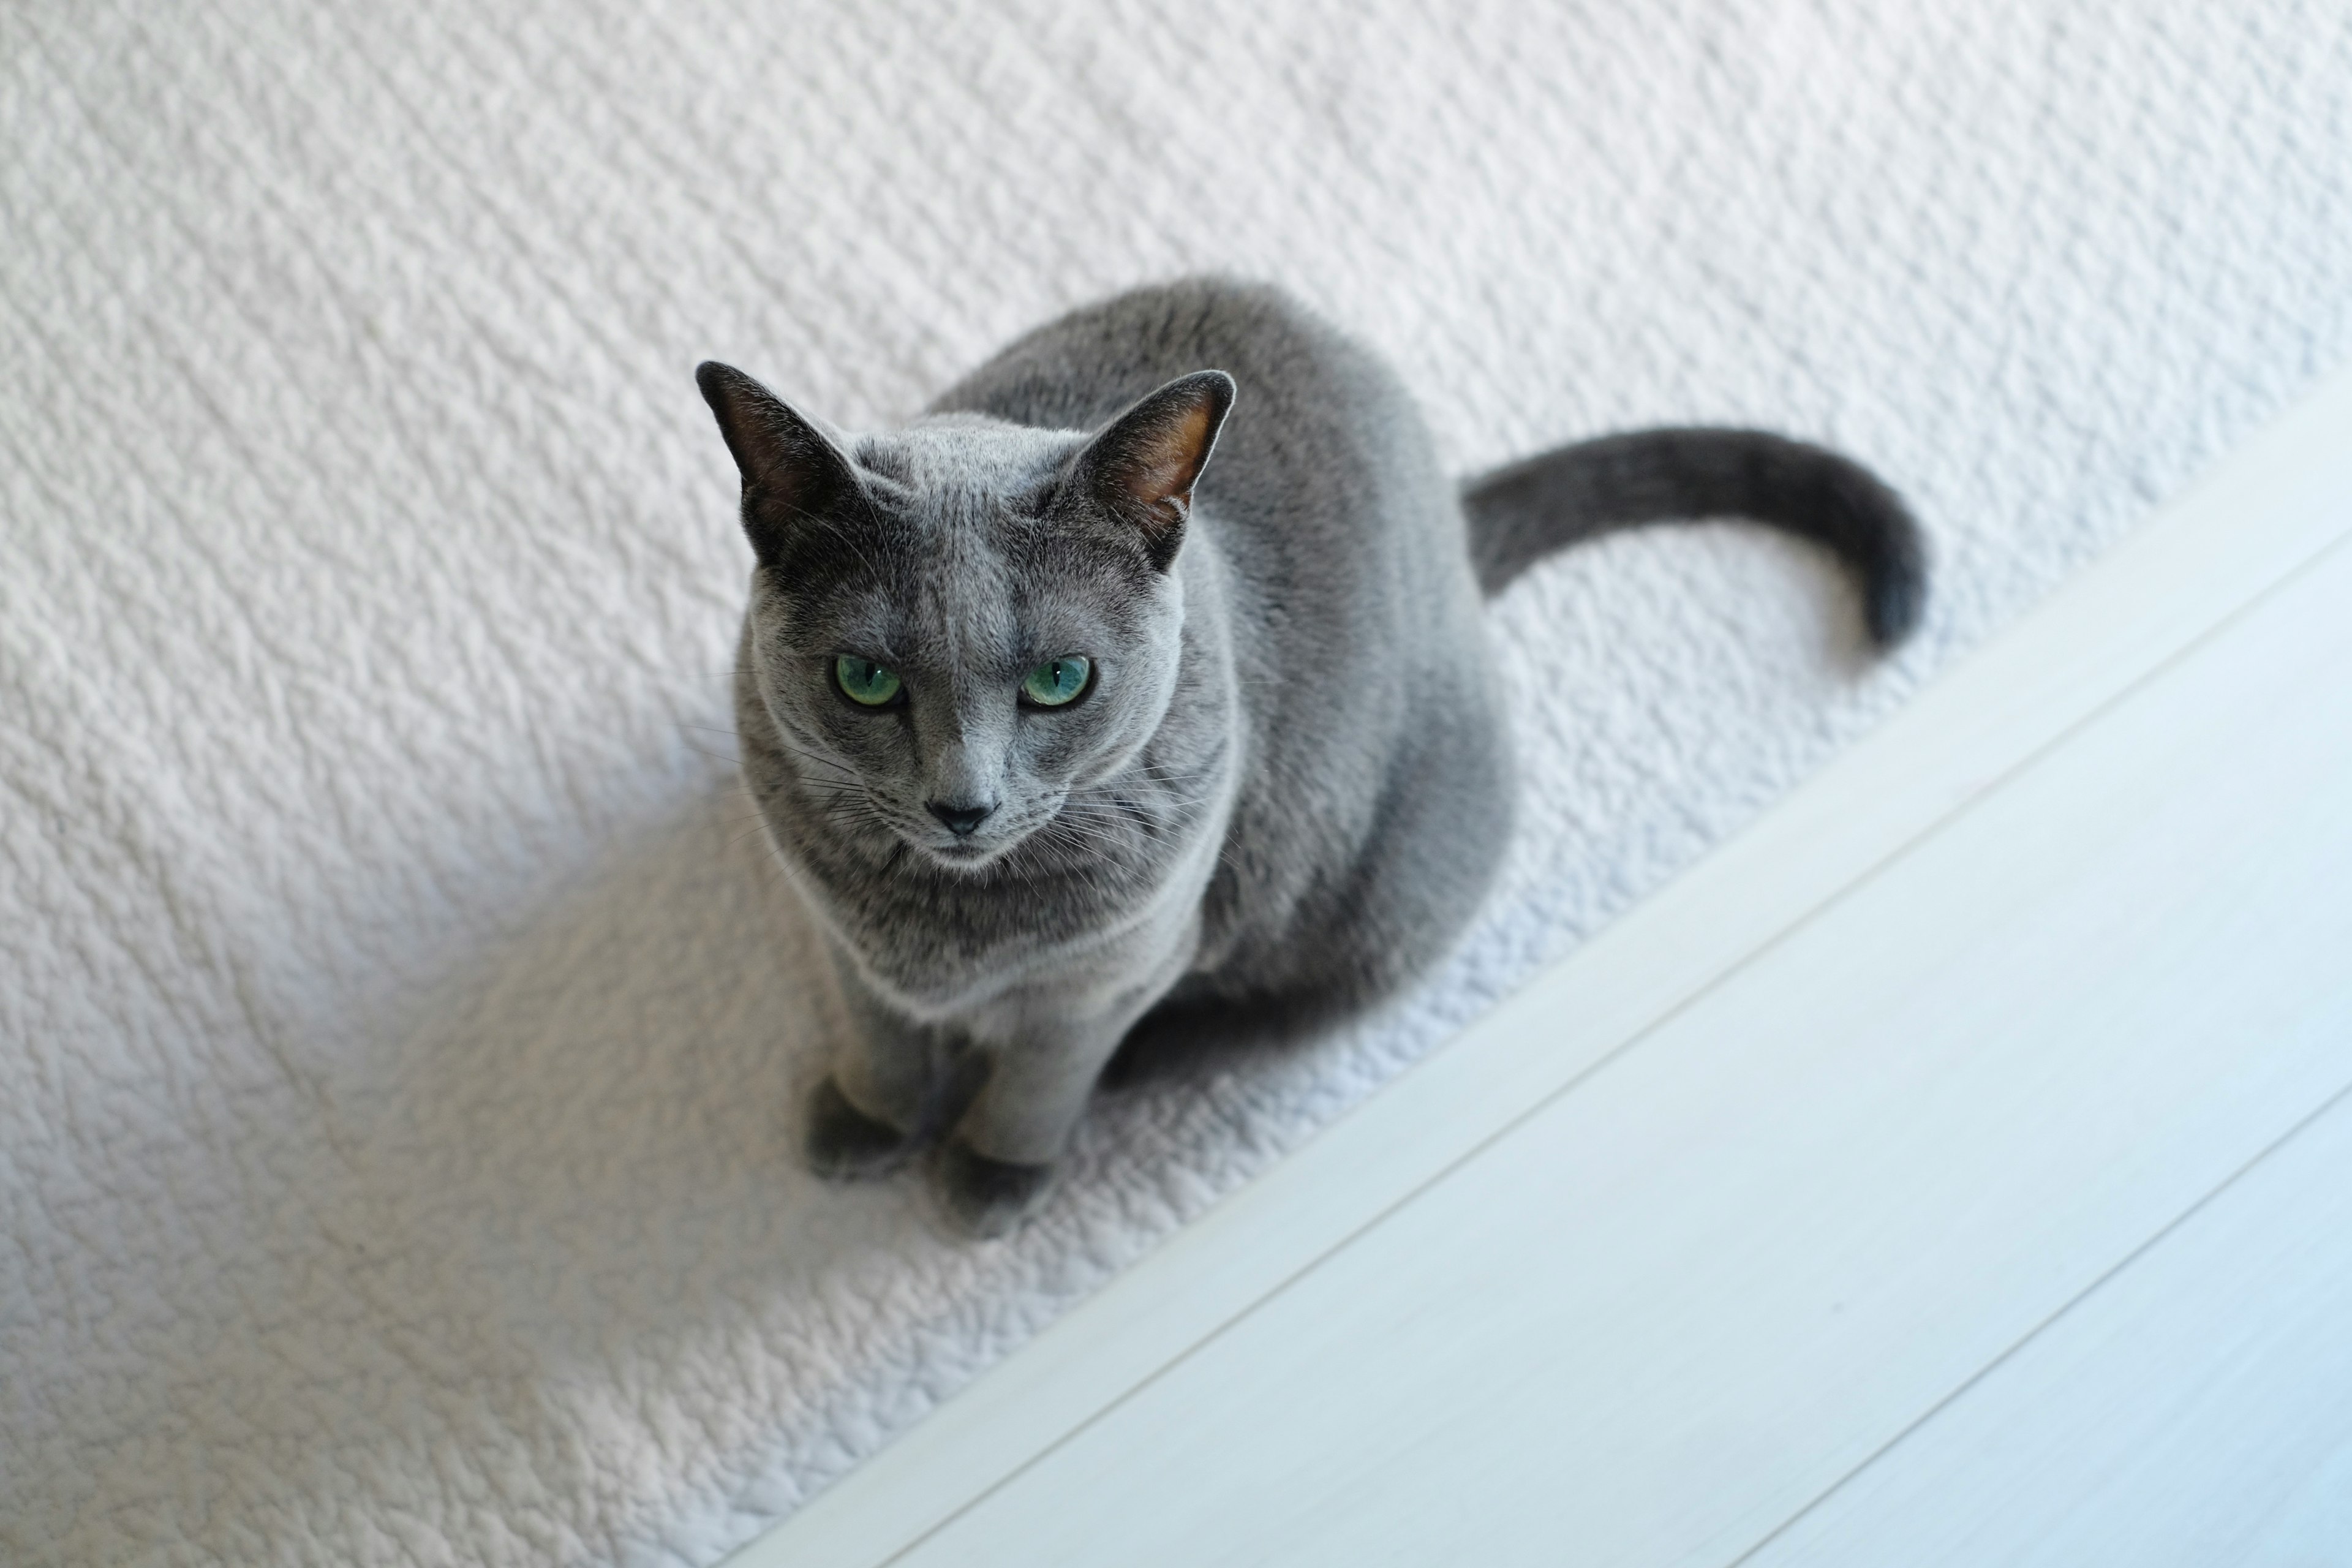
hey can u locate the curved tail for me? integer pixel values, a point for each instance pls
(1520, 514)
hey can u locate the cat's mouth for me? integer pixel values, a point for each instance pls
(964, 855)
(970, 851)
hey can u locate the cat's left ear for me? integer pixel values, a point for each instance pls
(1144, 464)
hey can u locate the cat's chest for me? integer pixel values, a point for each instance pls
(941, 942)
(1115, 877)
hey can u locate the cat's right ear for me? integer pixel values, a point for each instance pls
(791, 470)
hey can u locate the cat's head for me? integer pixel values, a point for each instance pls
(957, 625)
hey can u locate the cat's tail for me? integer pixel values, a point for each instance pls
(1520, 514)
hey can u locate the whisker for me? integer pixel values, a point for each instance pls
(793, 746)
(816, 757)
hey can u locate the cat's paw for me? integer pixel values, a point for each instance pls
(843, 1144)
(987, 1198)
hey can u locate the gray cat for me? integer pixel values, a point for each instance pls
(1069, 738)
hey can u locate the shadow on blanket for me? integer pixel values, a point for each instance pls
(527, 1238)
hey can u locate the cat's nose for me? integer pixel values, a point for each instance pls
(961, 819)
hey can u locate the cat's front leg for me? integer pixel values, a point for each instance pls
(867, 1117)
(1043, 1061)
(1000, 1160)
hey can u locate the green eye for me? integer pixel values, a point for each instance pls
(1051, 684)
(865, 682)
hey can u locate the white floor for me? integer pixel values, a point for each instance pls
(1957, 1167)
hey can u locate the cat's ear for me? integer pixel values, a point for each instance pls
(791, 469)
(1142, 465)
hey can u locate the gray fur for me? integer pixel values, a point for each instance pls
(1520, 514)
(1281, 801)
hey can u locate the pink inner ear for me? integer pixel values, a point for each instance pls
(1163, 465)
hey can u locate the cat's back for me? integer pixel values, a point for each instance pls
(1296, 373)
(1324, 491)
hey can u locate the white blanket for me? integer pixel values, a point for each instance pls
(401, 1025)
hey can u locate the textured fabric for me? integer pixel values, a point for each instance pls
(401, 1019)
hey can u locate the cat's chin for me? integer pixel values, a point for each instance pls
(966, 857)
